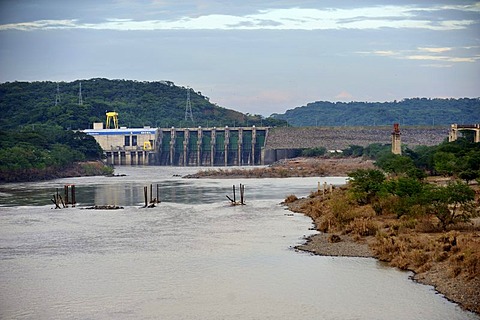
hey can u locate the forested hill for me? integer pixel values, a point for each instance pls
(416, 111)
(139, 104)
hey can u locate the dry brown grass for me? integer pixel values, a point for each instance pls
(413, 242)
(291, 198)
(449, 260)
(419, 251)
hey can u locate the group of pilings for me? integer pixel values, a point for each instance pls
(324, 189)
(153, 201)
(67, 199)
(242, 196)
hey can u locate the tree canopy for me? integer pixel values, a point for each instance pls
(156, 104)
(414, 111)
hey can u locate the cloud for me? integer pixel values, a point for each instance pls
(384, 53)
(439, 54)
(40, 24)
(373, 17)
(435, 50)
(441, 58)
(344, 95)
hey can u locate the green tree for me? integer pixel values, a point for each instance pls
(445, 163)
(366, 184)
(409, 194)
(353, 151)
(469, 175)
(395, 164)
(452, 203)
(314, 152)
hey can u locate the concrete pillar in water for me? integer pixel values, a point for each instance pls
(396, 141)
(128, 158)
(226, 144)
(254, 141)
(212, 146)
(199, 146)
(172, 145)
(240, 146)
(186, 140)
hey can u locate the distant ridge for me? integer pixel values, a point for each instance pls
(415, 111)
(139, 103)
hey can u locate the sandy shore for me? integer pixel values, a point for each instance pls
(346, 246)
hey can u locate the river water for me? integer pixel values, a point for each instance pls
(192, 257)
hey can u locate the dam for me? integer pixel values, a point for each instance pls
(242, 146)
(224, 146)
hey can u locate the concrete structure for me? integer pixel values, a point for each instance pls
(212, 146)
(182, 146)
(127, 146)
(455, 128)
(396, 140)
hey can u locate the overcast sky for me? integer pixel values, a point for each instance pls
(260, 57)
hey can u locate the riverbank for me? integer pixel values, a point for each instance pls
(78, 169)
(297, 167)
(449, 261)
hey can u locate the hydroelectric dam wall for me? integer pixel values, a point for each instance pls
(223, 146)
(241, 146)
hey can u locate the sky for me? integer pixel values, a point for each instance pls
(254, 56)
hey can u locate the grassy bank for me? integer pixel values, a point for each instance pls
(447, 259)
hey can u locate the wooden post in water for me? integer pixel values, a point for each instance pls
(234, 198)
(55, 201)
(65, 191)
(242, 192)
(158, 196)
(145, 193)
(151, 193)
(73, 196)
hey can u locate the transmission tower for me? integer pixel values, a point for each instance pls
(188, 107)
(80, 100)
(57, 96)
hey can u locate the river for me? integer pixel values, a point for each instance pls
(192, 257)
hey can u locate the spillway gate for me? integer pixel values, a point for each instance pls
(211, 146)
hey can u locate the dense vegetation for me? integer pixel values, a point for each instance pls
(407, 193)
(159, 104)
(416, 111)
(43, 152)
(408, 218)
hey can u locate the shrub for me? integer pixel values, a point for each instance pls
(291, 198)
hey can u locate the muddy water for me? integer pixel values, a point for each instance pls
(191, 257)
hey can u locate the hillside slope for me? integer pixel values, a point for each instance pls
(139, 104)
(416, 111)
